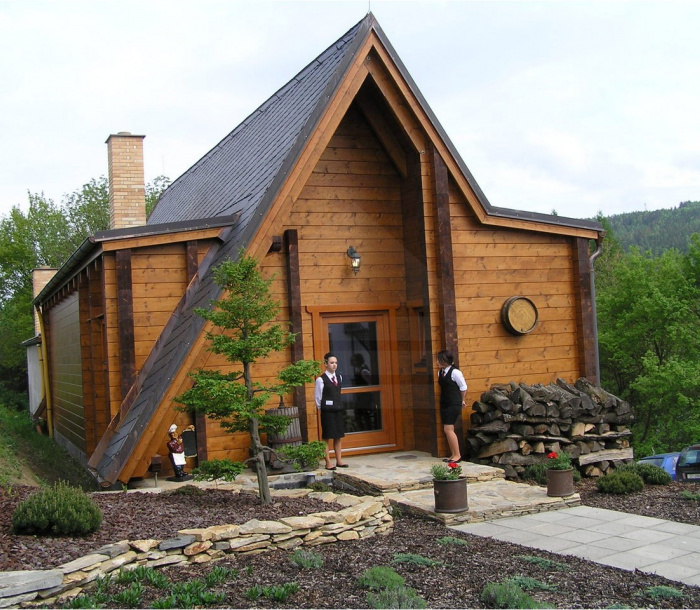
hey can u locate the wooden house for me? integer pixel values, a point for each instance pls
(346, 160)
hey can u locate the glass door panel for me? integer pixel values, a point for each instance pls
(361, 344)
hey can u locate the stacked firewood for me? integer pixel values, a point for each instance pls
(516, 425)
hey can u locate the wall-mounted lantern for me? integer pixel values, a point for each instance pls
(355, 260)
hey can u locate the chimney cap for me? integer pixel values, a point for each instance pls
(123, 134)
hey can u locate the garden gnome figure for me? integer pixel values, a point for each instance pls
(177, 454)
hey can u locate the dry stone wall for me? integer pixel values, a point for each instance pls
(361, 517)
(516, 425)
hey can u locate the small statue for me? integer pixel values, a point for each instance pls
(177, 453)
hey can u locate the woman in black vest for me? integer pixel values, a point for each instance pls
(453, 393)
(329, 402)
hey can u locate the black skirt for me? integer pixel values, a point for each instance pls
(332, 424)
(449, 414)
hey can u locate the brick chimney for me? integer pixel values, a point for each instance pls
(127, 187)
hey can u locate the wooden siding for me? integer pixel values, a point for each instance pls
(66, 370)
(159, 277)
(492, 265)
(92, 341)
(353, 197)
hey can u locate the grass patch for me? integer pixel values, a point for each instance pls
(526, 583)
(508, 594)
(21, 446)
(689, 495)
(380, 577)
(663, 592)
(306, 559)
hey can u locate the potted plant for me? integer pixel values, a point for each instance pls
(449, 487)
(560, 474)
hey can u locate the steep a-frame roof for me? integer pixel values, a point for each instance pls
(241, 177)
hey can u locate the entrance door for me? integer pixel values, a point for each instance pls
(362, 343)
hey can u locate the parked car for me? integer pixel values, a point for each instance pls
(667, 461)
(688, 466)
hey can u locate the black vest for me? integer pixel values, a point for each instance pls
(449, 390)
(331, 393)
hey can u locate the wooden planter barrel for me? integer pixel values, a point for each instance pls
(450, 496)
(292, 435)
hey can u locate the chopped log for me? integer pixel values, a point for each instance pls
(603, 428)
(473, 445)
(583, 447)
(604, 465)
(525, 448)
(578, 429)
(536, 409)
(523, 429)
(492, 415)
(595, 446)
(538, 447)
(493, 427)
(555, 447)
(498, 447)
(592, 471)
(574, 451)
(475, 419)
(547, 439)
(481, 407)
(485, 439)
(610, 454)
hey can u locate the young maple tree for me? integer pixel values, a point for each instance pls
(245, 333)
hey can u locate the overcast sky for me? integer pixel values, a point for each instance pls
(577, 107)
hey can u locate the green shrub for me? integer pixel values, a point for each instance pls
(306, 559)
(218, 470)
(380, 577)
(280, 593)
(542, 562)
(305, 456)
(650, 474)
(130, 597)
(526, 583)
(185, 490)
(397, 597)
(446, 540)
(415, 559)
(60, 510)
(536, 473)
(320, 486)
(508, 594)
(620, 483)
(219, 575)
(689, 495)
(663, 592)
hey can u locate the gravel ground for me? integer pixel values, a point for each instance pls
(455, 580)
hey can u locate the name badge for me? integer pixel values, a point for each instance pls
(329, 402)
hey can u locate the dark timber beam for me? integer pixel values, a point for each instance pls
(192, 259)
(291, 244)
(445, 260)
(448, 306)
(125, 320)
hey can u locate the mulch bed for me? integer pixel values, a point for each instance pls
(455, 582)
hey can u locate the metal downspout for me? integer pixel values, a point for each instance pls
(45, 373)
(591, 260)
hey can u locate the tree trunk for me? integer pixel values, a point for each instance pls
(260, 469)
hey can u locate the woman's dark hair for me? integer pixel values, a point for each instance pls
(446, 356)
(329, 355)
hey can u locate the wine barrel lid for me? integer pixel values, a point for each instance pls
(519, 315)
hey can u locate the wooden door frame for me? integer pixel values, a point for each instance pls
(389, 309)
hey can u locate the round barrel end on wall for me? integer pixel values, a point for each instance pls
(519, 315)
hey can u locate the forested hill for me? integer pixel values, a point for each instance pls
(657, 230)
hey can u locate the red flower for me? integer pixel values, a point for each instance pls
(552, 455)
(453, 465)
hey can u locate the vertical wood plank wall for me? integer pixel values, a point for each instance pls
(159, 279)
(66, 367)
(353, 197)
(493, 264)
